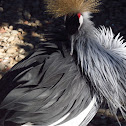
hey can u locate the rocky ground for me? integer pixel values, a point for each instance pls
(24, 24)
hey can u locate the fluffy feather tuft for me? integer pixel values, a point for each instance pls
(63, 7)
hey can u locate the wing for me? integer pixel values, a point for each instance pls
(45, 87)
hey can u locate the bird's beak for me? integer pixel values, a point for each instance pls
(72, 44)
(65, 18)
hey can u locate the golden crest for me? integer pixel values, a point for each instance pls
(63, 7)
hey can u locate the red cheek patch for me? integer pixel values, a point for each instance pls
(78, 15)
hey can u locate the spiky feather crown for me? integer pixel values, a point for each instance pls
(63, 7)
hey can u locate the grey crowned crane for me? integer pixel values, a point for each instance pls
(59, 85)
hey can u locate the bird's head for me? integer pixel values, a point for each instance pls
(76, 14)
(73, 11)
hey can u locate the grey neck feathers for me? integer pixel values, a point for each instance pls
(103, 59)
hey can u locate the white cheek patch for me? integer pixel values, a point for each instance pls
(80, 21)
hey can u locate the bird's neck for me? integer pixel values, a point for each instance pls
(84, 32)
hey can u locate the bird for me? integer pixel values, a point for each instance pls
(65, 81)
